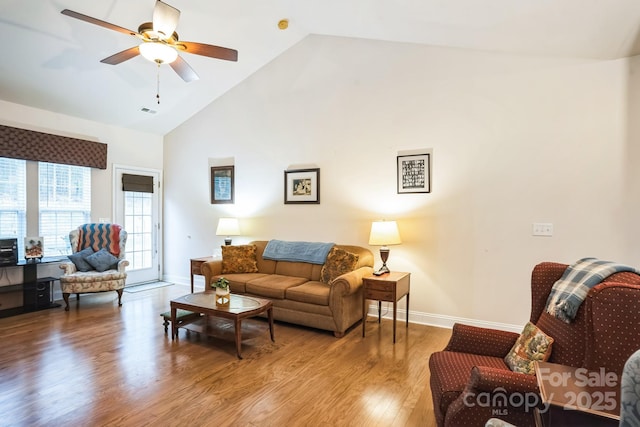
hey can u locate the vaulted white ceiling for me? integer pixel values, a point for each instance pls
(52, 62)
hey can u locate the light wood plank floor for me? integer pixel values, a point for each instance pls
(100, 365)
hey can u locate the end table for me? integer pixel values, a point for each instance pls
(389, 287)
(196, 265)
(577, 396)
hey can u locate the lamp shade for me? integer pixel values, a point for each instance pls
(384, 233)
(158, 52)
(228, 227)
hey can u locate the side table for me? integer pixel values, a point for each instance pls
(389, 287)
(196, 265)
(577, 396)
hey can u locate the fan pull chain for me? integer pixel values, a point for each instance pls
(158, 87)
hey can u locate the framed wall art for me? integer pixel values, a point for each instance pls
(302, 186)
(33, 247)
(414, 173)
(222, 186)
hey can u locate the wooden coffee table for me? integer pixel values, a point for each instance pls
(240, 307)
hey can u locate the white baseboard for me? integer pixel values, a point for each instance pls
(198, 281)
(430, 319)
(440, 320)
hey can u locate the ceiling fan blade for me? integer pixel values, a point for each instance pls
(208, 50)
(184, 70)
(165, 19)
(95, 21)
(122, 56)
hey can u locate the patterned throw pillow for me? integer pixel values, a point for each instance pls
(239, 259)
(338, 262)
(532, 345)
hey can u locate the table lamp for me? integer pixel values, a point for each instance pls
(228, 227)
(384, 233)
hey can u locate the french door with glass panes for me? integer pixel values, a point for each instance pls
(137, 209)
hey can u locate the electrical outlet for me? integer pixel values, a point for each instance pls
(104, 220)
(542, 229)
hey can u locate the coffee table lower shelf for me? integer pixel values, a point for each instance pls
(239, 308)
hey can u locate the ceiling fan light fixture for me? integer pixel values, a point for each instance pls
(158, 52)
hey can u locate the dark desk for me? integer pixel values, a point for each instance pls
(32, 293)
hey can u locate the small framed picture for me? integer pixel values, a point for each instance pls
(33, 247)
(414, 173)
(222, 186)
(302, 186)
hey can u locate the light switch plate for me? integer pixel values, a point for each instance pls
(542, 229)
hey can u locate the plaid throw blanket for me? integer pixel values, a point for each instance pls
(570, 291)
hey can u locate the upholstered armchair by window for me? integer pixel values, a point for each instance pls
(97, 263)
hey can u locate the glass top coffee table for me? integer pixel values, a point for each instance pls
(240, 307)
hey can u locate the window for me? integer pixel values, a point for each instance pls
(138, 217)
(13, 204)
(65, 203)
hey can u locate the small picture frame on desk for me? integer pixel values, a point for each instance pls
(33, 248)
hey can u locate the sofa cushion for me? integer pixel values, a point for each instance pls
(78, 259)
(273, 285)
(311, 292)
(295, 269)
(102, 260)
(93, 276)
(338, 263)
(532, 345)
(239, 259)
(238, 281)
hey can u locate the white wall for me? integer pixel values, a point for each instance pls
(515, 140)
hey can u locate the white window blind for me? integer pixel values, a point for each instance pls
(65, 203)
(13, 201)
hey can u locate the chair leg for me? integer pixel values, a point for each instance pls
(119, 291)
(65, 296)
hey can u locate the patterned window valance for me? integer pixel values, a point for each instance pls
(25, 144)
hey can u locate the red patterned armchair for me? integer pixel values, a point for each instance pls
(470, 382)
(97, 263)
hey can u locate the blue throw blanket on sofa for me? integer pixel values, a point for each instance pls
(311, 252)
(570, 291)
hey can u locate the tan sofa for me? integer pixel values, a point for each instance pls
(298, 294)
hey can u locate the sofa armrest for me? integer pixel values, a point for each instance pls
(68, 267)
(210, 269)
(484, 378)
(122, 264)
(494, 390)
(349, 283)
(483, 341)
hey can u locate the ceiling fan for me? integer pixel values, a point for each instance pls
(160, 43)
